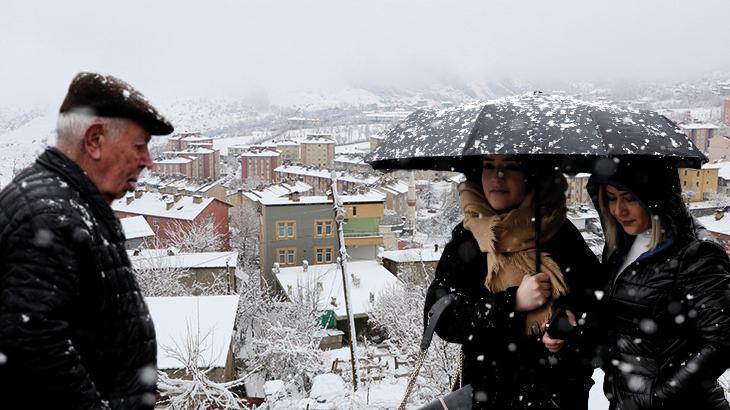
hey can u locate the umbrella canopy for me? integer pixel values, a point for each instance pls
(570, 132)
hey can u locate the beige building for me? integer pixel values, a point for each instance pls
(318, 150)
(289, 151)
(726, 113)
(700, 134)
(719, 148)
(577, 193)
(701, 183)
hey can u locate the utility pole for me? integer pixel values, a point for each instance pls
(340, 219)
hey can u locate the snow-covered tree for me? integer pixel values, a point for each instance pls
(199, 236)
(195, 390)
(398, 314)
(158, 277)
(244, 224)
(279, 336)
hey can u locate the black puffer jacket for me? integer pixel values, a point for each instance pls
(75, 331)
(667, 316)
(514, 370)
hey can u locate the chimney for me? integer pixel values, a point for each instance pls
(177, 197)
(130, 198)
(169, 204)
(138, 193)
(719, 214)
(197, 199)
(294, 196)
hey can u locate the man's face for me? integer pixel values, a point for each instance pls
(122, 160)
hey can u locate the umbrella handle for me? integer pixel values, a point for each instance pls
(538, 227)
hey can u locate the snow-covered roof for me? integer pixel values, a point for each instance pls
(260, 153)
(288, 143)
(373, 279)
(136, 227)
(350, 159)
(318, 139)
(355, 148)
(196, 138)
(146, 258)
(414, 255)
(195, 149)
(175, 317)
(393, 188)
(277, 191)
(724, 167)
(370, 197)
(155, 204)
(696, 126)
(722, 226)
(176, 160)
(325, 173)
(223, 144)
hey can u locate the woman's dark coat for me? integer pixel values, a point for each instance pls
(507, 368)
(665, 319)
(668, 317)
(75, 332)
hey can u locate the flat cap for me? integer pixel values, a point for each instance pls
(108, 96)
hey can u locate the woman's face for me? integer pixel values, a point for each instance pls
(503, 182)
(627, 210)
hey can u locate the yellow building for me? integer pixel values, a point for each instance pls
(701, 183)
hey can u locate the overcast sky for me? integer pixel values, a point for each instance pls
(184, 48)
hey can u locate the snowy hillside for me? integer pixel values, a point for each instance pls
(22, 141)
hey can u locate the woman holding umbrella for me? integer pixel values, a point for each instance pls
(666, 298)
(502, 305)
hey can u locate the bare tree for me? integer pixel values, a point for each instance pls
(245, 227)
(198, 236)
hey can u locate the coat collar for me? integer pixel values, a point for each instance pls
(55, 161)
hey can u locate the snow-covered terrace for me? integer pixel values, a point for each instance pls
(175, 317)
(372, 276)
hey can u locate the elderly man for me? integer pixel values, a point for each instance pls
(75, 331)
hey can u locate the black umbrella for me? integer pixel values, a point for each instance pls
(567, 131)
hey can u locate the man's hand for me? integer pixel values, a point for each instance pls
(533, 292)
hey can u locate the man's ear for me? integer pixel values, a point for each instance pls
(92, 140)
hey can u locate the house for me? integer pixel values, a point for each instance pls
(420, 262)
(208, 159)
(699, 184)
(137, 231)
(289, 150)
(367, 279)
(299, 228)
(207, 319)
(168, 212)
(202, 268)
(254, 196)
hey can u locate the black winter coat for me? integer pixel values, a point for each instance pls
(668, 319)
(75, 331)
(514, 370)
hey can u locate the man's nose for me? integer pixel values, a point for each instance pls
(146, 160)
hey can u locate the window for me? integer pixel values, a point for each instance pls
(685, 172)
(698, 173)
(286, 256)
(286, 230)
(323, 228)
(323, 254)
(354, 211)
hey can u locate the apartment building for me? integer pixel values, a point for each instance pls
(700, 183)
(299, 228)
(259, 164)
(317, 150)
(700, 134)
